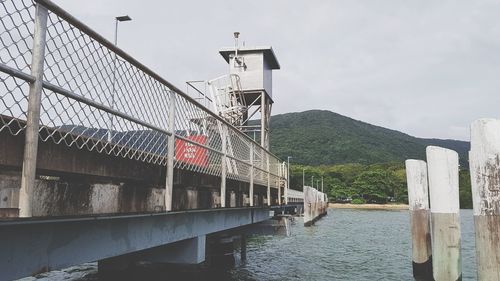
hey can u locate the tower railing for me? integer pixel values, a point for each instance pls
(62, 82)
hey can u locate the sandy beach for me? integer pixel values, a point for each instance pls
(369, 206)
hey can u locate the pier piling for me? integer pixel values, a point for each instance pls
(485, 181)
(418, 198)
(445, 220)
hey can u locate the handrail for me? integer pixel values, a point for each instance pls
(108, 44)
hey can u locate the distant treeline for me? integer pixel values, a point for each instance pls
(375, 183)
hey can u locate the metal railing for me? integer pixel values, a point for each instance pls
(61, 81)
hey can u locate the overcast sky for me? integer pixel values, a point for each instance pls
(424, 67)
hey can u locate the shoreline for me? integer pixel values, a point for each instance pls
(368, 206)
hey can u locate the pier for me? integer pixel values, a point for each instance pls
(103, 157)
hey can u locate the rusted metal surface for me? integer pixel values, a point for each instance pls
(9, 213)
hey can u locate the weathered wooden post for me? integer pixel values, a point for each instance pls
(485, 180)
(418, 199)
(445, 220)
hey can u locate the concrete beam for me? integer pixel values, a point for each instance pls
(31, 246)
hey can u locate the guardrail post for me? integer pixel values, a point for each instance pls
(169, 185)
(33, 118)
(442, 167)
(223, 173)
(268, 182)
(251, 173)
(285, 189)
(485, 180)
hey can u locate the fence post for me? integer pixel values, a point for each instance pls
(223, 173)
(282, 176)
(418, 199)
(485, 180)
(251, 174)
(445, 219)
(169, 185)
(33, 118)
(268, 182)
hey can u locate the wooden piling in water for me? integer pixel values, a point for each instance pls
(485, 180)
(418, 199)
(445, 219)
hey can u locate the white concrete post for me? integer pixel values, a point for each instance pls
(33, 118)
(169, 184)
(418, 199)
(251, 174)
(445, 219)
(279, 194)
(268, 182)
(485, 180)
(223, 175)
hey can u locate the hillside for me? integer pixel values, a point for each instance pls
(320, 137)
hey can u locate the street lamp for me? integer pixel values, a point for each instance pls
(288, 181)
(117, 19)
(312, 181)
(322, 185)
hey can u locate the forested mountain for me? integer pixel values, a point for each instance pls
(320, 137)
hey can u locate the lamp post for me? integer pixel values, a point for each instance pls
(312, 181)
(322, 185)
(117, 20)
(303, 178)
(288, 181)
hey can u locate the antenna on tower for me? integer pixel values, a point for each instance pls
(237, 59)
(236, 45)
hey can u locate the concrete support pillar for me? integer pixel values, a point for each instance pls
(169, 183)
(485, 179)
(443, 190)
(33, 118)
(418, 198)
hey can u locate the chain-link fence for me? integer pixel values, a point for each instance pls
(98, 98)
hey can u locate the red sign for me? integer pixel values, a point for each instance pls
(190, 153)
